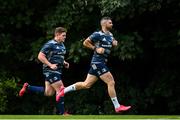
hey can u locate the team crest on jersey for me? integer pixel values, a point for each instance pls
(104, 70)
(104, 39)
(50, 80)
(98, 72)
(47, 74)
(55, 78)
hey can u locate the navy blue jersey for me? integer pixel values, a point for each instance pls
(104, 40)
(54, 52)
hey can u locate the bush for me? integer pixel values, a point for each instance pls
(7, 92)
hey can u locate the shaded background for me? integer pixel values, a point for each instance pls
(145, 64)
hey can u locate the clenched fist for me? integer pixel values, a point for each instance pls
(100, 50)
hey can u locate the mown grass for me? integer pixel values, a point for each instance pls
(89, 117)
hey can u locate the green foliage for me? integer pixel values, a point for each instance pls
(65, 14)
(7, 90)
(35, 48)
(15, 13)
(128, 8)
(5, 43)
(162, 89)
(77, 51)
(129, 46)
(108, 7)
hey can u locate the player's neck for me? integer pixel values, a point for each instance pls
(104, 30)
(57, 40)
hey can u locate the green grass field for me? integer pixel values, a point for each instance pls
(90, 117)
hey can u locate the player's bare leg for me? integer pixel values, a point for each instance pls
(109, 80)
(57, 85)
(49, 90)
(90, 80)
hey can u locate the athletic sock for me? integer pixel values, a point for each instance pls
(115, 102)
(69, 89)
(36, 89)
(60, 106)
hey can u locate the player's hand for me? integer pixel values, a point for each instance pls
(66, 64)
(100, 50)
(114, 42)
(53, 66)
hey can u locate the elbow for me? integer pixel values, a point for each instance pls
(84, 43)
(39, 56)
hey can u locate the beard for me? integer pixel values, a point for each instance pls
(109, 28)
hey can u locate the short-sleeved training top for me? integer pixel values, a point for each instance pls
(101, 39)
(54, 52)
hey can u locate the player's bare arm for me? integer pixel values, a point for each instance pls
(66, 64)
(89, 44)
(114, 43)
(43, 59)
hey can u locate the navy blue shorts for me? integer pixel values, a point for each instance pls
(98, 69)
(52, 77)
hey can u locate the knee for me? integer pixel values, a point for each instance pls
(49, 93)
(111, 83)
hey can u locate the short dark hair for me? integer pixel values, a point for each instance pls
(104, 19)
(60, 30)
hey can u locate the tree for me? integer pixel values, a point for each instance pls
(146, 59)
